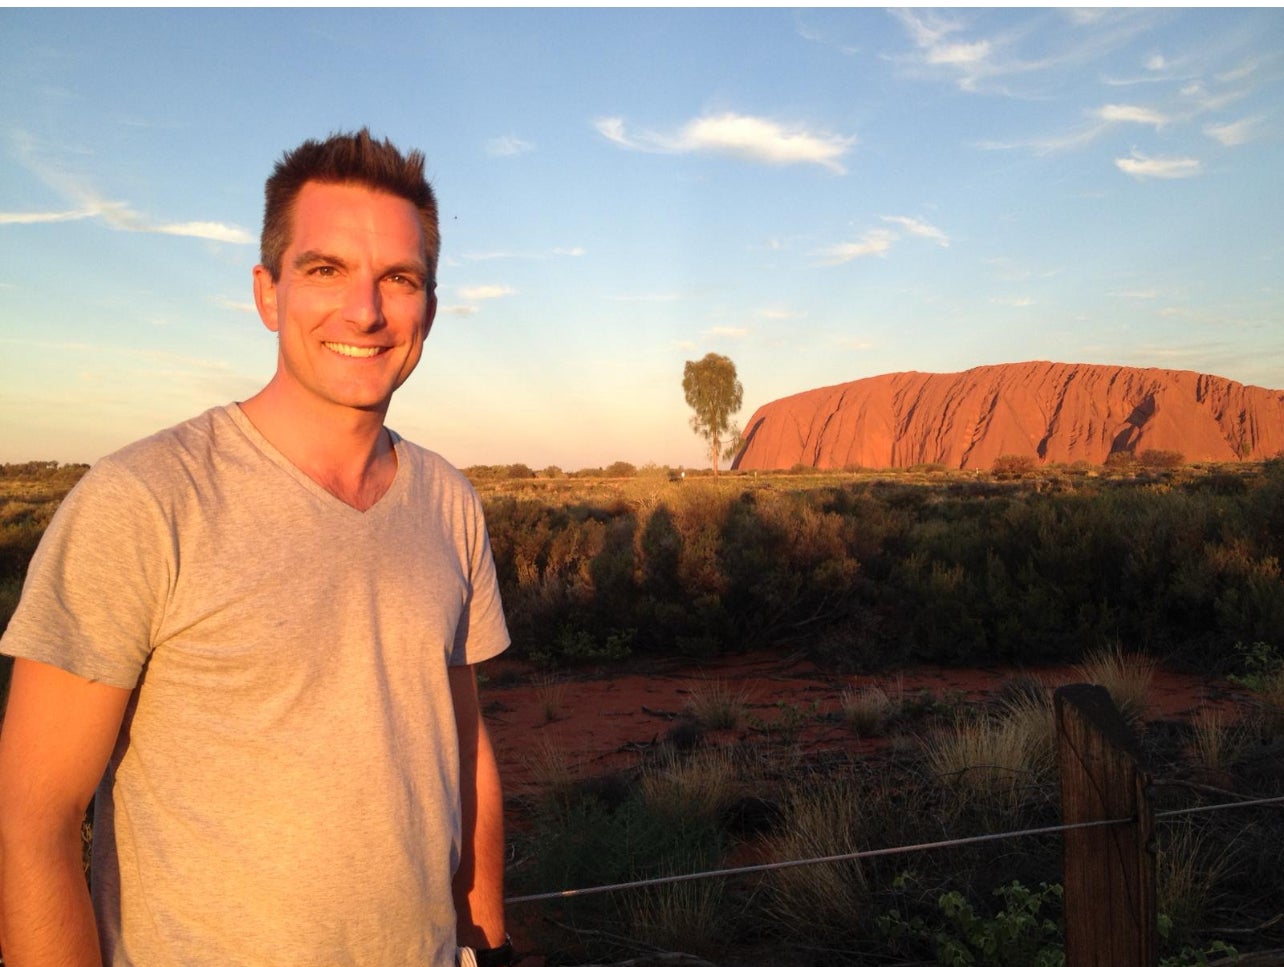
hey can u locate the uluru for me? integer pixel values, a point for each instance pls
(1052, 412)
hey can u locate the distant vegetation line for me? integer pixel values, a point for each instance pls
(1027, 565)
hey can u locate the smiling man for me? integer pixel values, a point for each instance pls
(254, 635)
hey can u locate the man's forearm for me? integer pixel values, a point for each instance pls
(46, 918)
(478, 886)
(479, 881)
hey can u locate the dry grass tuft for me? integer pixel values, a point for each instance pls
(1187, 868)
(1214, 743)
(821, 901)
(990, 761)
(551, 693)
(702, 785)
(716, 705)
(869, 710)
(1127, 676)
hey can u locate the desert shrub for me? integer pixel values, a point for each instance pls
(621, 468)
(1011, 465)
(1160, 459)
(1026, 932)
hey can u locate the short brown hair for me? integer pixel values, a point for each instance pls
(340, 159)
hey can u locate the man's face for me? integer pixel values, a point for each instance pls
(354, 302)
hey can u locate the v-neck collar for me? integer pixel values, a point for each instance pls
(387, 499)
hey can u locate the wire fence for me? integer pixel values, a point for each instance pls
(871, 854)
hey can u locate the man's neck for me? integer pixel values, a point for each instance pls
(346, 451)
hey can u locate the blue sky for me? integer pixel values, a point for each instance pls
(822, 195)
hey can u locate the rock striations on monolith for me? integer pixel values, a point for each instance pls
(1053, 412)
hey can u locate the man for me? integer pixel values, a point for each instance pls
(258, 630)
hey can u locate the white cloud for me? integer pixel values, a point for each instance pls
(574, 250)
(1233, 133)
(734, 332)
(1013, 301)
(41, 218)
(920, 228)
(213, 231)
(456, 310)
(1139, 294)
(1156, 62)
(851, 342)
(508, 146)
(1140, 166)
(964, 55)
(749, 138)
(875, 242)
(118, 215)
(781, 315)
(479, 293)
(1131, 114)
(236, 305)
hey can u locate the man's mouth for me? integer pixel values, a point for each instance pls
(357, 352)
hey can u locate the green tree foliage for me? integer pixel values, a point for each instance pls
(715, 394)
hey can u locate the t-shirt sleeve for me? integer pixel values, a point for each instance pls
(482, 632)
(95, 588)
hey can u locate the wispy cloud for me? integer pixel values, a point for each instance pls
(733, 332)
(777, 314)
(1013, 301)
(508, 146)
(571, 251)
(457, 310)
(1132, 114)
(922, 229)
(236, 305)
(481, 293)
(41, 218)
(877, 242)
(1142, 166)
(90, 203)
(1234, 132)
(749, 138)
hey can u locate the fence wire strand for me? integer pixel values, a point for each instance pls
(871, 854)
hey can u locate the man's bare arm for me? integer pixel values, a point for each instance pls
(59, 731)
(479, 881)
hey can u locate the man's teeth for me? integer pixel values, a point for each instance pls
(361, 352)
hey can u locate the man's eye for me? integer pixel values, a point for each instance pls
(323, 271)
(404, 281)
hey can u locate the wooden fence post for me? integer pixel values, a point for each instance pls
(1110, 869)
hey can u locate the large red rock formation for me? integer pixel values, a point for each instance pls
(1054, 412)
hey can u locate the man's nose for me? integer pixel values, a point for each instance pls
(364, 307)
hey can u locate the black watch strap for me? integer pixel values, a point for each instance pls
(501, 956)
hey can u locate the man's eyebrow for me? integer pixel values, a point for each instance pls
(313, 256)
(407, 268)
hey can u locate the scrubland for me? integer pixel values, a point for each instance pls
(1116, 570)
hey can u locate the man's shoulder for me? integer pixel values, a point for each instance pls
(431, 465)
(175, 450)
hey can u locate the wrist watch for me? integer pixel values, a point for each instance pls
(501, 956)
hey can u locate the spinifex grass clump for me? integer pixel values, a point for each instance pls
(819, 903)
(1127, 676)
(715, 704)
(994, 761)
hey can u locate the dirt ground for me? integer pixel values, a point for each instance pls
(596, 724)
(600, 724)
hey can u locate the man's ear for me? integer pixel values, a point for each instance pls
(265, 297)
(430, 314)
